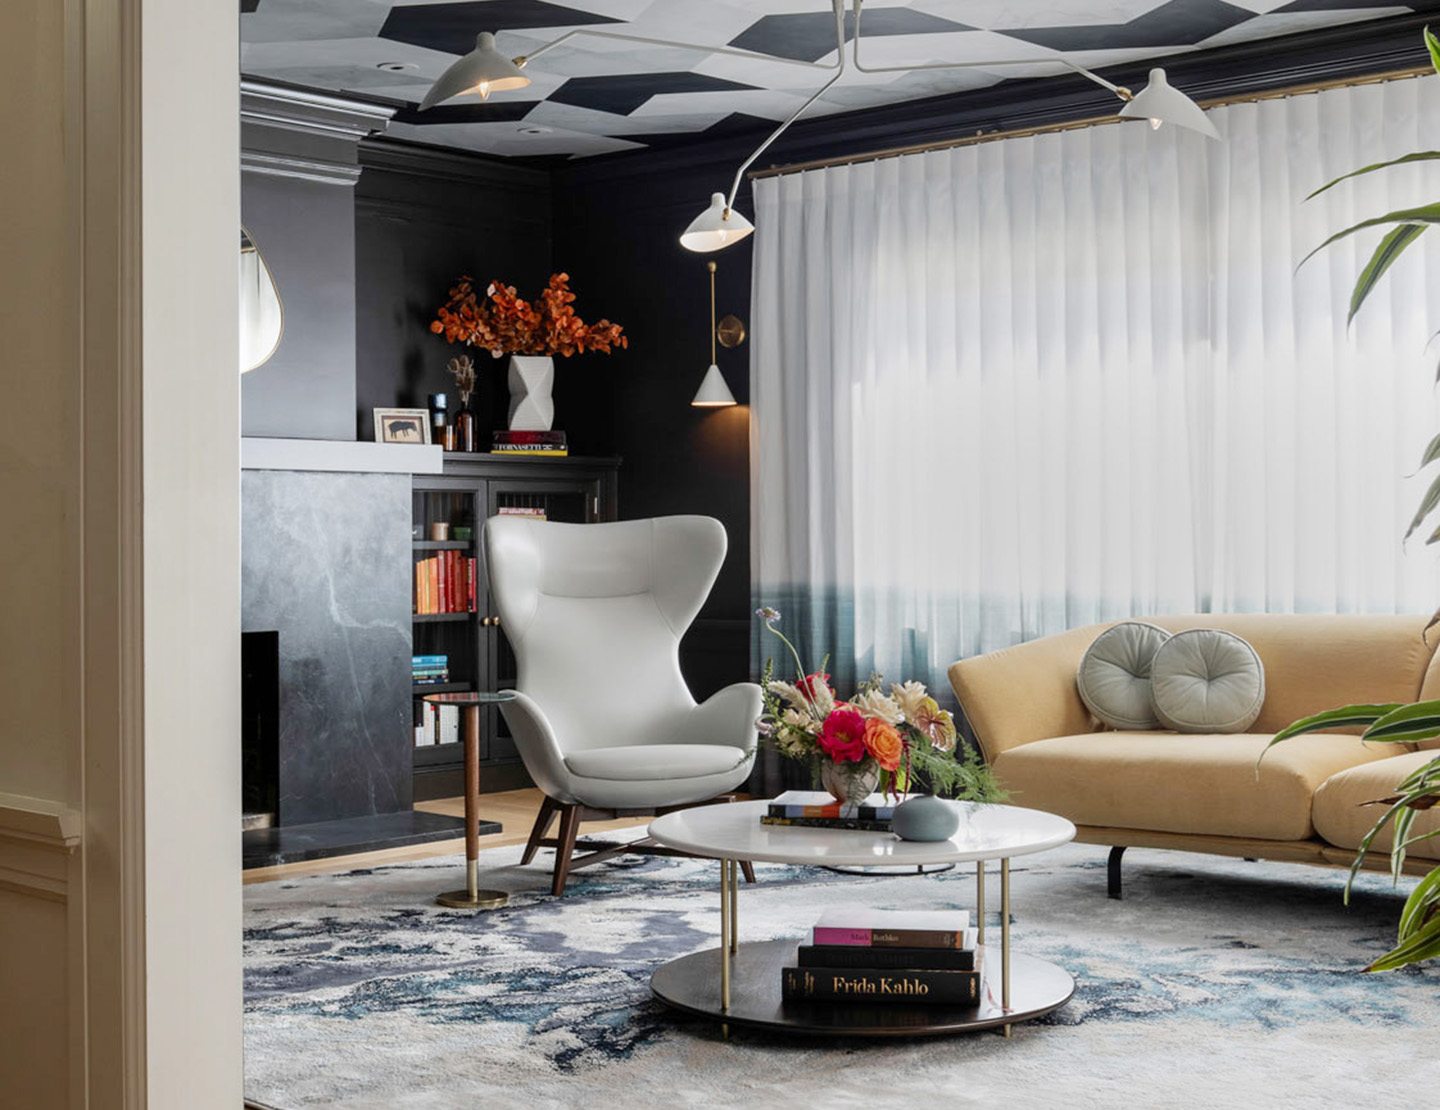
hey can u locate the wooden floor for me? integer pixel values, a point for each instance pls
(514, 809)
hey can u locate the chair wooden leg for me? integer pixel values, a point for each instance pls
(565, 847)
(543, 820)
(748, 870)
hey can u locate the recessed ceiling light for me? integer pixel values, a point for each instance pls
(534, 129)
(395, 67)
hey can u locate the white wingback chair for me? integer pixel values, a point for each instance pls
(603, 718)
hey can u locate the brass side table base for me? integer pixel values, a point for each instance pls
(480, 900)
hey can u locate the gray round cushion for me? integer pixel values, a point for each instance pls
(1114, 675)
(1206, 680)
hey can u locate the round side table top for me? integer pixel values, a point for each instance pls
(471, 697)
(734, 832)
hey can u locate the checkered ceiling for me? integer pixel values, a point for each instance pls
(595, 95)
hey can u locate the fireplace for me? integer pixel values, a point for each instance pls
(259, 728)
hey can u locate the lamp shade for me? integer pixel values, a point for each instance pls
(1161, 102)
(716, 227)
(484, 70)
(713, 392)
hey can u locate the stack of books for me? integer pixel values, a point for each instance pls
(439, 724)
(907, 956)
(817, 809)
(529, 443)
(531, 512)
(429, 670)
(445, 583)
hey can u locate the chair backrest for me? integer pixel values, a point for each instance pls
(595, 613)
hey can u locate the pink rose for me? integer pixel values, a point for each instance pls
(842, 736)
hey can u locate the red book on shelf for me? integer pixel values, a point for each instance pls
(470, 581)
(452, 585)
(430, 606)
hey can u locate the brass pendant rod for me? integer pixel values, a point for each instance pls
(712, 313)
(1089, 121)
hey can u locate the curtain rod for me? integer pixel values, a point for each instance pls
(1075, 124)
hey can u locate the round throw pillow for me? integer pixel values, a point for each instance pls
(1114, 674)
(1206, 680)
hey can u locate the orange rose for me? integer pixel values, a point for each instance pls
(883, 743)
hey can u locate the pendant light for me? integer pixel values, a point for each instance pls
(713, 392)
(1161, 102)
(484, 70)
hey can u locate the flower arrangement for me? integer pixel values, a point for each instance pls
(895, 740)
(504, 323)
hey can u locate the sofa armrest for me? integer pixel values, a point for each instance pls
(1026, 692)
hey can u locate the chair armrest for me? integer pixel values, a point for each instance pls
(1026, 692)
(728, 716)
(540, 751)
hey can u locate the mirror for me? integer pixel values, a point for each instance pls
(262, 318)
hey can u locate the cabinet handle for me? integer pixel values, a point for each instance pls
(495, 621)
(484, 622)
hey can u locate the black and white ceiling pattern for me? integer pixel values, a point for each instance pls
(595, 95)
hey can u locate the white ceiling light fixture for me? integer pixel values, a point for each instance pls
(713, 392)
(484, 70)
(1161, 102)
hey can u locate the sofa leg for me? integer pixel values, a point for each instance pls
(1113, 869)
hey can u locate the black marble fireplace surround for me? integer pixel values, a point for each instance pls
(325, 560)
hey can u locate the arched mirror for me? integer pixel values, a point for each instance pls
(262, 318)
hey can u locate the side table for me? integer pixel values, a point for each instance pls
(472, 897)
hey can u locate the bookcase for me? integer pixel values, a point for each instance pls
(472, 488)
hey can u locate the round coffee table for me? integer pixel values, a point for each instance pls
(740, 983)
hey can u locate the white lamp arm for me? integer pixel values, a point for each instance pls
(699, 49)
(728, 716)
(538, 747)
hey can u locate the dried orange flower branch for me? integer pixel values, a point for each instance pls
(505, 324)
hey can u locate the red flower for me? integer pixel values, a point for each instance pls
(842, 736)
(812, 684)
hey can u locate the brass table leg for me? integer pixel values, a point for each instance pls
(472, 897)
(1005, 939)
(727, 936)
(980, 901)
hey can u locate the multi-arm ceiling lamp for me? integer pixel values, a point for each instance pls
(485, 70)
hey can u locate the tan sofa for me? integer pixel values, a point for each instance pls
(1203, 793)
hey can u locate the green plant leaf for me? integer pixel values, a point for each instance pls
(1421, 903)
(1423, 944)
(1426, 214)
(1433, 45)
(1336, 718)
(1432, 449)
(1385, 254)
(1427, 506)
(1418, 721)
(1418, 156)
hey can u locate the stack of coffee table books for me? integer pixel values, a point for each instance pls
(872, 956)
(818, 809)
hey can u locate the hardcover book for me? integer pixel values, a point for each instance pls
(820, 803)
(854, 824)
(838, 984)
(882, 958)
(848, 925)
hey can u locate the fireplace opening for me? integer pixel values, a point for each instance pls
(259, 728)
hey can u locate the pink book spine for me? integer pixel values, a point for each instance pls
(825, 934)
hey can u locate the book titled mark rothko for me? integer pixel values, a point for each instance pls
(893, 928)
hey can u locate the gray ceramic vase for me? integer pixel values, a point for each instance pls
(925, 818)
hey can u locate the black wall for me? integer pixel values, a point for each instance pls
(423, 218)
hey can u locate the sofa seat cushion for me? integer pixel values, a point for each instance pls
(1342, 818)
(642, 762)
(1181, 783)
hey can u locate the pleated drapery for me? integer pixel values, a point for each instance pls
(1005, 389)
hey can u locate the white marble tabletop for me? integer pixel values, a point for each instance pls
(735, 832)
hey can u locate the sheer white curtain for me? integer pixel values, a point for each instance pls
(1010, 388)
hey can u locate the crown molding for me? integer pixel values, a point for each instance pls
(311, 113)
(443, 164)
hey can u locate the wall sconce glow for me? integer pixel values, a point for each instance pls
(716, 227)
(262, 317)
(1161, 102)
(484, 70)
(713, 392)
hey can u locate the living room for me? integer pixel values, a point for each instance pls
(963, 468)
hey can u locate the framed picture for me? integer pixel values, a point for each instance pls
(402, 426)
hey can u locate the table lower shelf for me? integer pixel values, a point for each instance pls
(692, 983)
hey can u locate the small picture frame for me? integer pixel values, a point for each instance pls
(411, 426)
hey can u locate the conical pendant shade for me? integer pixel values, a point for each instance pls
(713, 393)
(715, 227)
(484, 70)
(1161, 102)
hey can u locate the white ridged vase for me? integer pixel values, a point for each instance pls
(531, 378)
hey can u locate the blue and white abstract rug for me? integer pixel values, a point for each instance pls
(1215, 983)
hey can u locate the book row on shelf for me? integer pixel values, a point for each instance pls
(532, 443)
(439, 724)
(429, 670)
(876, 956)
(445, 583)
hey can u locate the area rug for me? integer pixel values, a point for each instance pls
(1215, 983)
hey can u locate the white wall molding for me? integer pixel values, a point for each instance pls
(37, 842)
